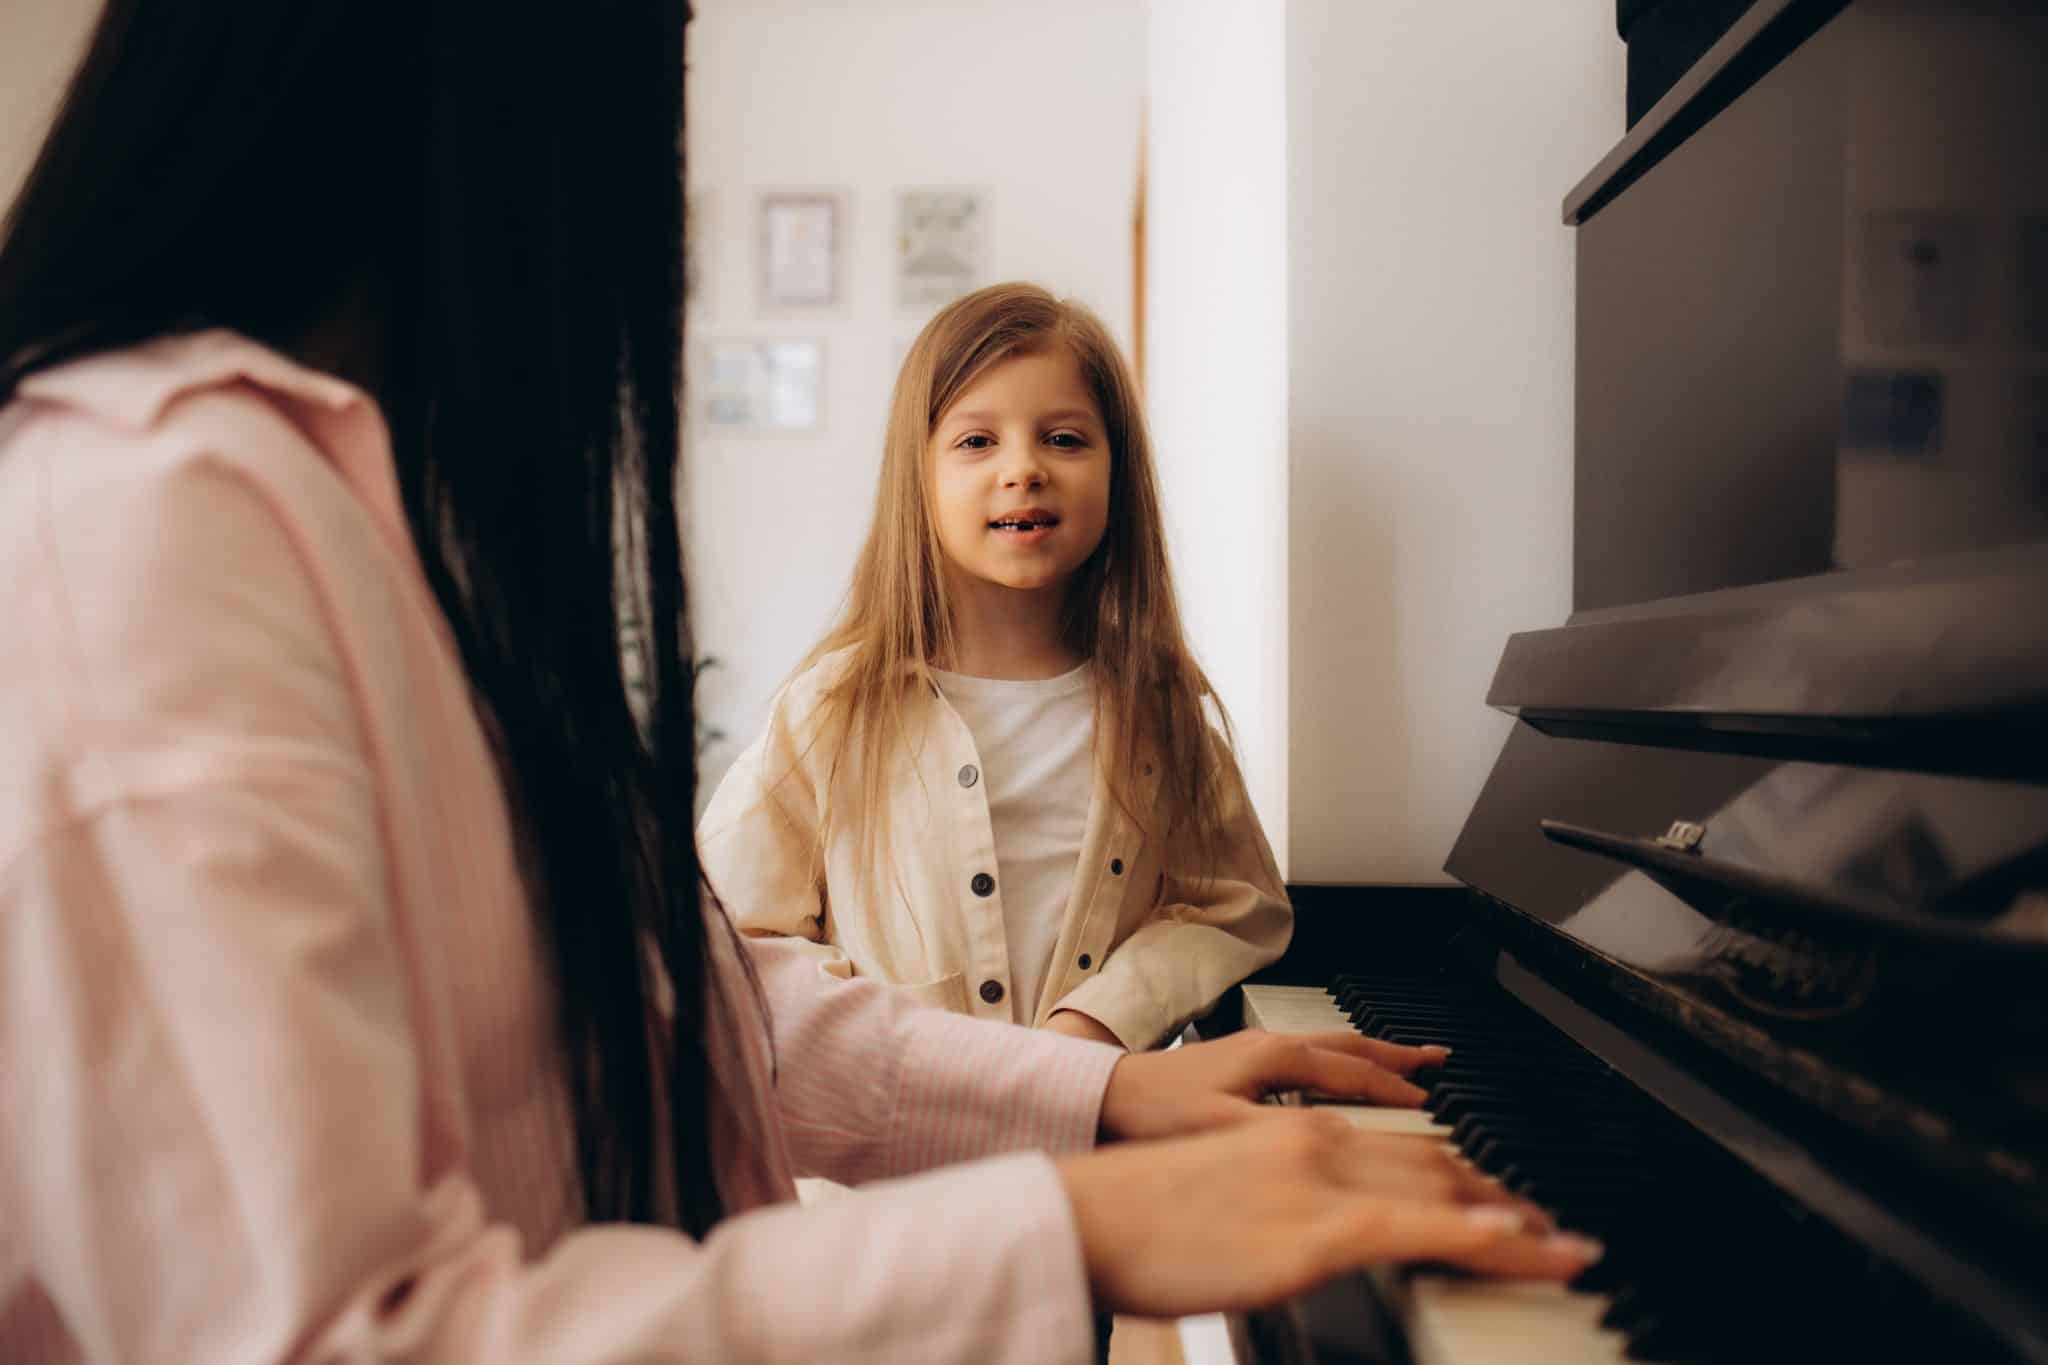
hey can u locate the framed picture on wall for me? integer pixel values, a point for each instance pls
(941, 245)
(800, 233)
(759, 385)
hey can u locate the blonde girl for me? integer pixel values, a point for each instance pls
(1002, 782)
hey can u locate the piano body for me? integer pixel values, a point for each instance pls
(1748, 972)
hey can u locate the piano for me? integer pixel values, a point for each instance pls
(1746, 968)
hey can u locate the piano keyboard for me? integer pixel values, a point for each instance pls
(1310, 1009)
(1703, 1263)
(1447, 1320)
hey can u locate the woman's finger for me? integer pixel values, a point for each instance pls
(1487, 1238)
(1300, 1065)
(1474, 1186)
(1424, 1168)
(1533, 1256)
(1397, 1057)
(1368, 1229)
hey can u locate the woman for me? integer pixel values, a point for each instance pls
(356, 998)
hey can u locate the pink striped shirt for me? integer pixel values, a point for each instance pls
(277, 1071)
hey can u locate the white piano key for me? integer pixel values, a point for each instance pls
(1211, 1340)
(1309, 1009)
(1293, 1009)
(1381, 1119)
(1494, 1322)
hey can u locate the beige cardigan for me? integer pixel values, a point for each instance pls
(1142, 948)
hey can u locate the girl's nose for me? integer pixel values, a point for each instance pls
(1024, 472)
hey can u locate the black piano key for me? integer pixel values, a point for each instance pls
(1629, 1309)
(1659, 1341)
(1690, 1275)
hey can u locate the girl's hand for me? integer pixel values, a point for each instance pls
(1209, 1085)
(1075, 1024)
(1265, 1210)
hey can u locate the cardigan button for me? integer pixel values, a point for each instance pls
(1086, 962)
(982, 884)
(992, 991)
(1116, 867)
(969, 774)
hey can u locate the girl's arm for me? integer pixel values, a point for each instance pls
(1206, 934)
(757, 842)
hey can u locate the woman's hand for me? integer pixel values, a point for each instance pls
(1075, 1024)
(1200, 1086)
(1265, 1210)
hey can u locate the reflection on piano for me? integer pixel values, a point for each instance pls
(1748, 974)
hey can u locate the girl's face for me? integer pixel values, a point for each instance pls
(1019, 471)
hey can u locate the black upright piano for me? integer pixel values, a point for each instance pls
(1747, 971)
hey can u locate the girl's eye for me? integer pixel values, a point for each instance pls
(1067, 440)
(976, 442)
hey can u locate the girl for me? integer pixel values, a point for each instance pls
(994, 784)
(357, 1001)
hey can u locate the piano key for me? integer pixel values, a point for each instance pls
(1456, 1321)
(1309, 1009)
(1381, 1119)
(1293, 1009)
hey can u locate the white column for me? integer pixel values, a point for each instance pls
(1430, 146)
(1216, 354)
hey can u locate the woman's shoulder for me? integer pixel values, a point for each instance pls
(153, 443)
(142, 390)
(159, 531)
(117, 430)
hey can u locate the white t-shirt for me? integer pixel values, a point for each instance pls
(1036, 741)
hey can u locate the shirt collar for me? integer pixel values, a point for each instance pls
(136, 385)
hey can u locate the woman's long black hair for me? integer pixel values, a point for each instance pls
(497, 189)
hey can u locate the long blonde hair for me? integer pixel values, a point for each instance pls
(1152, 701)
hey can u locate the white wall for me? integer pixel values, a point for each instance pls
(1039, 104)
(1216, 355)
(41, 42)
(1430, 420)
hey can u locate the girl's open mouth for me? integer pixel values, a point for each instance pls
(1025, 528)
(1025, 522)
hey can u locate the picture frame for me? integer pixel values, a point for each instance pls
(761, 385)
(942, 244)
(800, 240)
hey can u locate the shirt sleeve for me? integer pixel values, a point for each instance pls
(211, 1136)
(872, 1085)
(1208, 932)
(758, 845)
